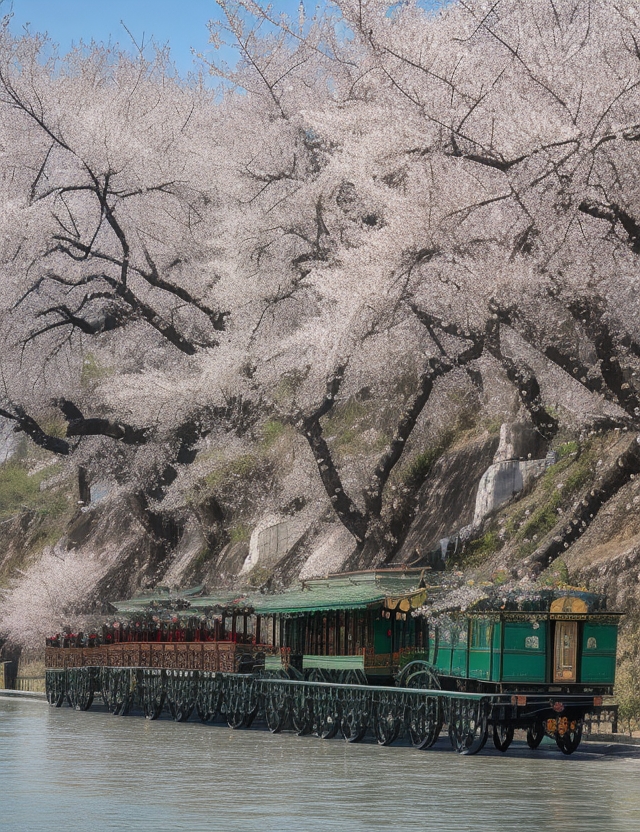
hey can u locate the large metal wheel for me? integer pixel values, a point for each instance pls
(55, 687)
(181, 690)
(423, 720)
(239, 718)
(535, 735)
(151, 692)
(354, 721)
(209, 696)
(240, 701)
(468, 727)
(502, 736)
(302, 713)
(79, 688)
(116, 689)
(387, 720)
(568, 737)
(276, 709)
(327, 715)
(418, 674)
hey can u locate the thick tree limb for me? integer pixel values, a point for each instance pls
(348, 513)
(78, 425)
(26, 424)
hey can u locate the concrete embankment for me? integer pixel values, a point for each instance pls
(23, 694)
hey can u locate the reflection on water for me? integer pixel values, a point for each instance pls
(67, 770)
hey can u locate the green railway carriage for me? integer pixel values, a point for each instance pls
(565, 641)
(377, 650)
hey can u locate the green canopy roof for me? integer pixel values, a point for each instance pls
(357, 590)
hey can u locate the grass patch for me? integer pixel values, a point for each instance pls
(20, 490)
(240, 533)
(477, 551)
(242, 467)
(347, 423)
(93, 370)
(272, 431)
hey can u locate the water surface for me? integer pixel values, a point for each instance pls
(65, 770)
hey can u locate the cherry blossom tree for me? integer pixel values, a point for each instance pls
(370, 190)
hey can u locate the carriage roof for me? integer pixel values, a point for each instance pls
(401, 588)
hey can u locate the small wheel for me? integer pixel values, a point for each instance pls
(502, 736)
(535, 735)
(570, 739)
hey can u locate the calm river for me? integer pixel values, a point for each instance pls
(65, 771)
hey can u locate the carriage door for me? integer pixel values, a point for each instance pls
(565, 651)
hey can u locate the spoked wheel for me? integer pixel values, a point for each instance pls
(208, 697)
(302, 714)
(535, 735)
(467, 726)
(327, 717)
(79, 688)
(151, 692)
(354, 722)
(240, 701)
(276, 710)
(55, 686)
(418, 674)
(386, 722)
(116, 689)
(424, 722)
(181, 686)
(568, 737)
(502, 736)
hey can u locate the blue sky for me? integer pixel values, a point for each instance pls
(181, 23)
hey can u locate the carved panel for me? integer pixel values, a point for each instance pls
(182, 656)
(114, 655)
(145, 655)
(54, 658)
(210, 657)
(157, 655)
(73, 656)
(227, 658)
(96, 656)
(170, 656)
(195, 656)
(131, 655)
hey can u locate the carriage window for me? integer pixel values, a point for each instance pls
(532, 643)
(592, 644)
(480, 633)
